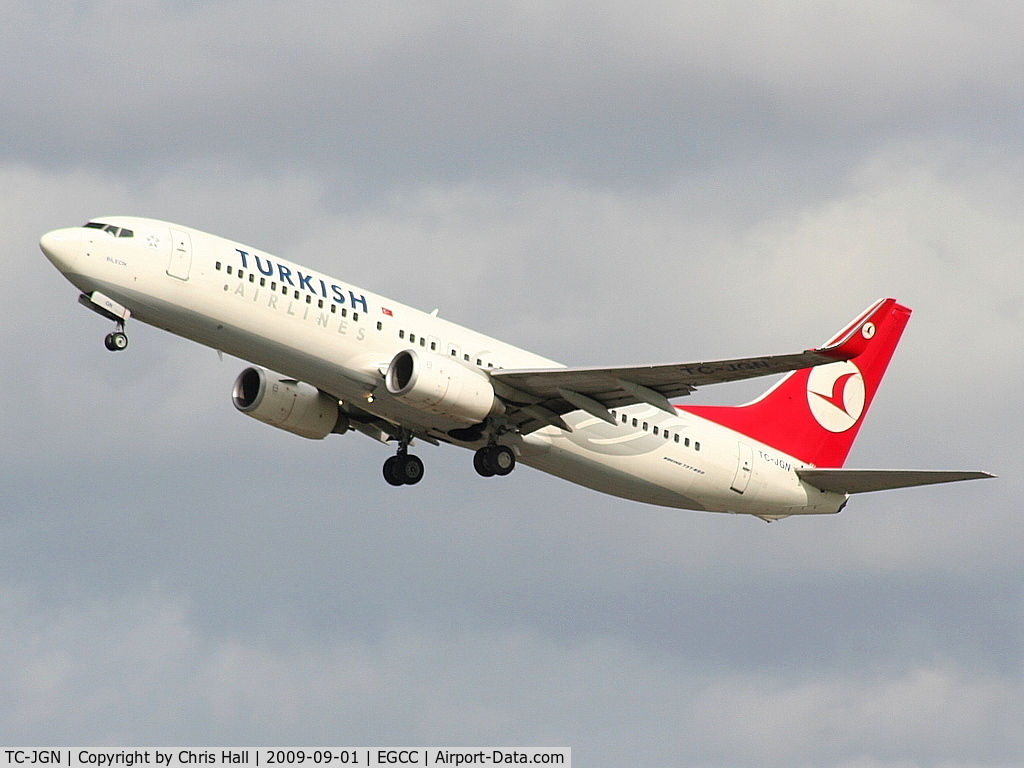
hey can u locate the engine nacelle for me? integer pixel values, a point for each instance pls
(287, 404)
(442, 386)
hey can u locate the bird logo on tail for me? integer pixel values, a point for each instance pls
(836, 395)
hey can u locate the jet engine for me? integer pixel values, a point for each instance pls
(287, 404)
(442, 386)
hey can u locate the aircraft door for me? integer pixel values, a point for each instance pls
(744, 466)
(181, 255)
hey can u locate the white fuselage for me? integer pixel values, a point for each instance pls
(340, 339)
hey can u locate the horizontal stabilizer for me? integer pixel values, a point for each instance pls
(865, 480)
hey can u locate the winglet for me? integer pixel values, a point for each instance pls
(853, 340)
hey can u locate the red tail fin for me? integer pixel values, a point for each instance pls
(814, 414)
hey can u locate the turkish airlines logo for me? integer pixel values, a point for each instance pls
(835, 393)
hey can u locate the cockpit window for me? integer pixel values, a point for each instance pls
(114, 231)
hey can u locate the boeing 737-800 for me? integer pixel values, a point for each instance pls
(328, 357)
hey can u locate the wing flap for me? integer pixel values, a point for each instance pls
(867, 480)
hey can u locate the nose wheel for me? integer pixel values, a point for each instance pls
(116, 341)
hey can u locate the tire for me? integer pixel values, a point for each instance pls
(494, 460)
(481, 464)
(115, 341)
(391, 472)
(410, 469)
(502, 459)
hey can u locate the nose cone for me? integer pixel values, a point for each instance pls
(62, 247)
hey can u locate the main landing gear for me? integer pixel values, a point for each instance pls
(494, 460)
(404, 468)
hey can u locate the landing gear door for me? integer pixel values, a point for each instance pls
(744, 466)
(181, 255)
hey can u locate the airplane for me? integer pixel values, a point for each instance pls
(328, 357)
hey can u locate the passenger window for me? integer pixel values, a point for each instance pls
(635, 422)
(229, 269)
(676, 438)
(696, 446)
(217, 266)
(380, 326)
(655, 430)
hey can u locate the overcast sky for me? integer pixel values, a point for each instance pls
(602, 184)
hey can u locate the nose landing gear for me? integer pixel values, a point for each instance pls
(117, 340)
(110, 309)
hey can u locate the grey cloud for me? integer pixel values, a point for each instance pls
(453, 91)
(928, 715)
(131, 670)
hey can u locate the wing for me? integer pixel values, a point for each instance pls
(540, 397)
(866, 480)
